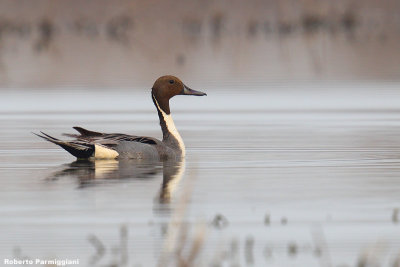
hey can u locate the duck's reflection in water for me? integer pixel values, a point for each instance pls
(92, 172)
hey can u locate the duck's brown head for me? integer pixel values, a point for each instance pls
(168, 86)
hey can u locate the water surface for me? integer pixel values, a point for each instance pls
(294, 175)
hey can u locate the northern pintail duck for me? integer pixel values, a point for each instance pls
(90, 144)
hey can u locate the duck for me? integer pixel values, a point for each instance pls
(97, 145)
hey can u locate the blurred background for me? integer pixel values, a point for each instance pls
(120, 43)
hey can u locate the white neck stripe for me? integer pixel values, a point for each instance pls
(171, 128)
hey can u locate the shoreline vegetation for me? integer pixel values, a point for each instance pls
(108, 45)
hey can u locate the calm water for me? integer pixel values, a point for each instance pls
(274, 176)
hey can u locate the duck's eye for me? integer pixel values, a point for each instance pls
(171, 81)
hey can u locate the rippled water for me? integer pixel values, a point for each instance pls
(274, 176)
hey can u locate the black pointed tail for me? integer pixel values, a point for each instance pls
(78, 149)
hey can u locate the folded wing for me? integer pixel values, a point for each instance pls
(86, 141)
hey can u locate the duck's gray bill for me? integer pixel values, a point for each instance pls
(188, 91)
